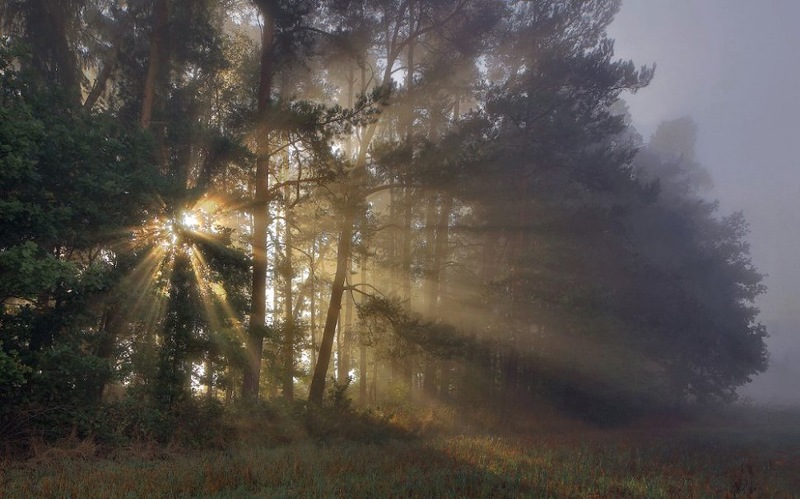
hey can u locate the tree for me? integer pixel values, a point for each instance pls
(261, 207)
(697, 277)
(669, 159)
(72, 183)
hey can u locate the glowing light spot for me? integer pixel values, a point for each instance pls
(190, 220)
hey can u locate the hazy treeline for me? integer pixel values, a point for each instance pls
(204, 202)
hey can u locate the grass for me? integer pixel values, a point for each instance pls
(752, 455)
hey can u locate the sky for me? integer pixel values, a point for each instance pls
(734, 67)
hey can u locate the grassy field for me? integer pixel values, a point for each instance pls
(751, 455)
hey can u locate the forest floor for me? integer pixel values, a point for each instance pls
(433, 453)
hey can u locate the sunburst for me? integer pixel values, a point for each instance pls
(186, 234)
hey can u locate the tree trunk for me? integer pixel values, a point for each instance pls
(288, 338)
(405, 270)
(337, 290)
(312, 306)
(102, 78)
(362, 347)
(345, 334)
(405, 273)
(258, 311)
(155, 59)
(431, 289)
(2, 19)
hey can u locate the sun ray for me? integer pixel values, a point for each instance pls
(208, 290)
(173, 234)
(140, 282)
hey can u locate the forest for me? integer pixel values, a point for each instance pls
(209, 207)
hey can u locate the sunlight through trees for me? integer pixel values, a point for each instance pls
(419, 201)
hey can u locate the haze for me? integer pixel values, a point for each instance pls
(732, 66)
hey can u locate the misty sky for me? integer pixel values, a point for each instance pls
(733, 65)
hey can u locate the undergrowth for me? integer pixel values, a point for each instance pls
(291, 450)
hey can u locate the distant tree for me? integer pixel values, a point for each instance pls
(698, 281)
(670, 159)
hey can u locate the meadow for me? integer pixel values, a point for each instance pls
(750, 453)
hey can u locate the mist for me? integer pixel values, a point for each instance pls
(424, 248)
(730, 65)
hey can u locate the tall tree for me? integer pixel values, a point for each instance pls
(258, 305)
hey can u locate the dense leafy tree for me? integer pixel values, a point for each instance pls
(72, 184)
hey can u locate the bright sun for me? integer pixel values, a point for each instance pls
(167, 232)
(190, 220)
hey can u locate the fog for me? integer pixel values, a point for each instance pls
(732, 66)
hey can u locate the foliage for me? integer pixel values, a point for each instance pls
(437, 339)
(191, 424)
(72, 183)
